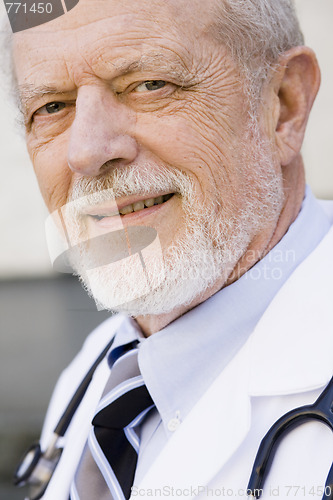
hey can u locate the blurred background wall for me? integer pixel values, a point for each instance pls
(44, 317)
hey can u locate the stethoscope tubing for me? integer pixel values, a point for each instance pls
(74, 403)
(321, 410)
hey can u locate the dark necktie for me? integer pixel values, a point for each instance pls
(107, 467)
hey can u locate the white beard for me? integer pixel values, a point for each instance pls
(216, 235)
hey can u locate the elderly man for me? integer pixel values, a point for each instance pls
(174, 128)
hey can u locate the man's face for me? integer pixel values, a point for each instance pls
(139, 98)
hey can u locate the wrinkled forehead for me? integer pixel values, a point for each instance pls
(92, 19)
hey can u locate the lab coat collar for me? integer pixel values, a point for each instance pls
(301, 337)
(292, 345)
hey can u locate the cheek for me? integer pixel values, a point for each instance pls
(53, 174)
(201, 145)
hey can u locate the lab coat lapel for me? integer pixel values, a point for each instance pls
(76, 437)
(292, 345)
(206, 439)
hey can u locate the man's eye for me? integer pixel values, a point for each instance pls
(50, 108)
(150, 85)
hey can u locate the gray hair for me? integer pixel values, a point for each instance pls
(7, 73)
(256, 33)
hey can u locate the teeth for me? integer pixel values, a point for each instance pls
(138, 206)
(150, 202)
(158, 200)
(126, 210)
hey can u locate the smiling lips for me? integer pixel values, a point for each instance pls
(134, 207)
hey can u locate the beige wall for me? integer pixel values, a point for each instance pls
(22, 214)
(316, 17)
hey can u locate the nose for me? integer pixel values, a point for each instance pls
(100, 133)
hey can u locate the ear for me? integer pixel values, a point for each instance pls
(295, 85)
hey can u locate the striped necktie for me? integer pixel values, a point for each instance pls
(107, 467)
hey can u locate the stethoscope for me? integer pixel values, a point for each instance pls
(37, 467)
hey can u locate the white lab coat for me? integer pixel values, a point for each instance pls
(286, 363)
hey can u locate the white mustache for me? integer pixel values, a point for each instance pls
(126, 181)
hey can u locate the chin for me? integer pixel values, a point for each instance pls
(184, 273)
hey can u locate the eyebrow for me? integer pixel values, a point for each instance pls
(175, 67)
(28, 92)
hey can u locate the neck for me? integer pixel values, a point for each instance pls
(262, 243)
